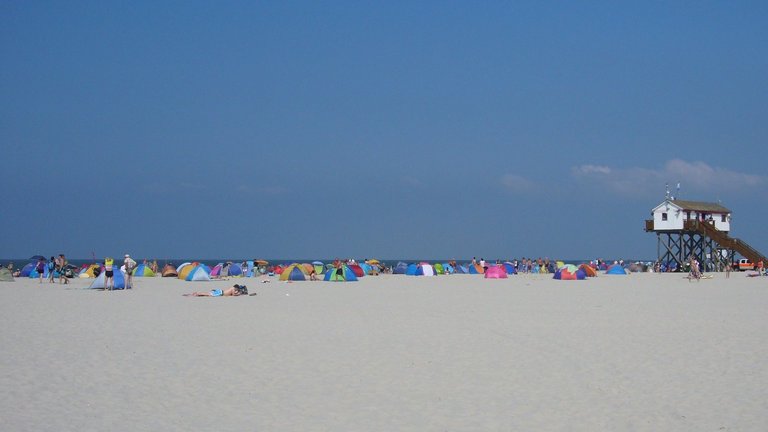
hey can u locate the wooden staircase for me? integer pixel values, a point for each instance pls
(724, 240)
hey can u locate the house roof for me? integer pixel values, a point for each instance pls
(700, 206)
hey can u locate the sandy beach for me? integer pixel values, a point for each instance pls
(644, 352)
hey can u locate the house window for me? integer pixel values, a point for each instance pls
(663, 216)
(722, 218)
(687, 215)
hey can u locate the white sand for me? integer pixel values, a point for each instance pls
(645, 352)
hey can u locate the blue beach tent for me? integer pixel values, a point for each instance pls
(616, 269)
(99, 282)
(510, 268)
(342, 274)
(400, 268)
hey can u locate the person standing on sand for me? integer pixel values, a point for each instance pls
(40, 268)
(62, 267)
(130, 265)
(51, 267)
(109, 274)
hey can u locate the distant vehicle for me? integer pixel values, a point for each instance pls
(745, 264)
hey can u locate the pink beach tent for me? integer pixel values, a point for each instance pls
(496, 272)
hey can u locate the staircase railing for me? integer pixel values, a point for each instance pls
(724, 239)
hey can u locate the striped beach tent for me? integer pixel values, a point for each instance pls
(143, 270)
(294, 272)
(340, 274)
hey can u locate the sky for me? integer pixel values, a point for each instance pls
(400, 129)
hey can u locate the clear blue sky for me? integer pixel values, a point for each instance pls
(389, 129)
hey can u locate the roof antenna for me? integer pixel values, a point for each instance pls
(678, 190)
(666, 194)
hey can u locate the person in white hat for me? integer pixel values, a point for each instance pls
(130, 265)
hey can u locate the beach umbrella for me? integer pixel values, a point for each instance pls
(38, 257)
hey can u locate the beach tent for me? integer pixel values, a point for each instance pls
(448, 269)
(400, 268)
(34, 274)
(475, 269)
(341, 274)
(198, 274)
(218, 271)
(294, 272)
(588, 270)
(439, 269)
(143, 270)
(357, 270)
(235, 269)
(118, 279)
(194, 273)
(5, 275)
(27, 269)
(510, 268)
(169, 271)
(89, 271)
(616, 269)
(367, 268)
(496, 272)
(565, 274)
(319, 267)
(411, 270)
(425, 269)
(460, 269)
(184, 269)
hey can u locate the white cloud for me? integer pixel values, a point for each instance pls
(515, 183)
(592, 169)
(698, 177)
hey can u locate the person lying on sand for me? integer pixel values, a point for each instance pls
(234, 291)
